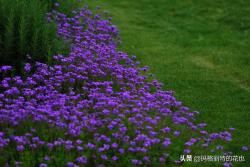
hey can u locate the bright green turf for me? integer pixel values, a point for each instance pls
(199, 49)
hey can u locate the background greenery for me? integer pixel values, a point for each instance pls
(199, 49)
(24, 30)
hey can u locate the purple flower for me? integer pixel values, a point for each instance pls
(166, 130)
(162, 159)
(90, 146)
(219, 147)
(202, 125)
(114, 158)
(186, 151)
(79, 148)
(81, 160)
(146, 159)
(20, 148)
(136, 162)
(43, 165)
(6, 68)
(227, 164)
(56, 4)
(106, 111)
(114, 145)
(177, 133)
(121, 151)
(50, 145)
(104, 157)
(27, 67)
(244, 148)
(46, 158)
(166, 142)
(70, 164)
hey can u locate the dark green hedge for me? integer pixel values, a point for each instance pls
(25, 30)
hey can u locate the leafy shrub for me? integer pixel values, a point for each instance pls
(24, 30)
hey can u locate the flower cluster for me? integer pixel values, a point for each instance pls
(104, 107)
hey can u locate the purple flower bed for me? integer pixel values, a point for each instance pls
(97, 106)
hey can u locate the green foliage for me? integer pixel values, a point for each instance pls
(25, 30)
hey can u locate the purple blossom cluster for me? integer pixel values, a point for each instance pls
(104, 103)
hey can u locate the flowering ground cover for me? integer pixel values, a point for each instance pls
(97, 107)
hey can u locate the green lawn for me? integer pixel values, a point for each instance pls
(199, 49)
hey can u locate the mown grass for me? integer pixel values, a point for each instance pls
(199, 49)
